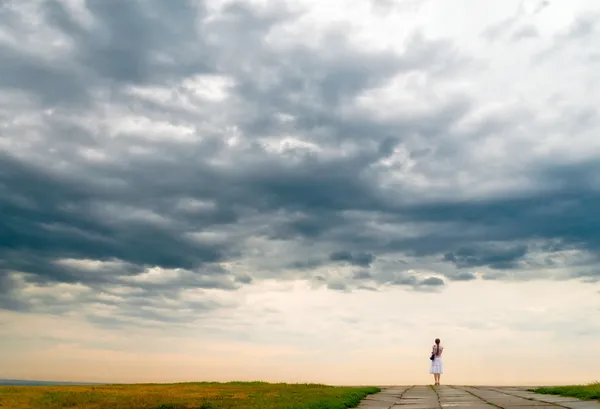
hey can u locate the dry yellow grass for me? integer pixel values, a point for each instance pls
(183, 396)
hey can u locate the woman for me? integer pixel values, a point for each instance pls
(436, 364)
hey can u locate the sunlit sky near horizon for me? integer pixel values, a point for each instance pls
(307, 191)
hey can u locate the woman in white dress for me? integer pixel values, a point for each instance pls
(437, 367)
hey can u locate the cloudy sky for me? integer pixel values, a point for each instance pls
(302, 191)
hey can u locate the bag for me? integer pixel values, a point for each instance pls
(432, 357)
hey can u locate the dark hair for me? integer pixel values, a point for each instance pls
(437, 340)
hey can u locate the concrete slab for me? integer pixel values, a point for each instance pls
(535, 407)
(451, 392)
(419, 402)
(514, 403)
(545, 399)
(557, 399)
(383, 399)
(366, 405)
(458, 402)
(468, 397)
(468, 405)
(581, 405)
(549, 398)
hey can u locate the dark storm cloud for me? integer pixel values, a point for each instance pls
(196, 204)
(491, 233)
(127, 36)
(122, 47)
(49, 82)
(496, 258)
(59, 221)
(357, 259)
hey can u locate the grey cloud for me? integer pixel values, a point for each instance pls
(337, 285)
(118, 303)
(541, 6)
(587, 276)
(244, 278)
(524, 10)
(404, 280)
(532, 7)
(274, 212)
(357, 259)
(497, 258)
(9, 299)
(462, 276)
(362, 275)
(407, 6)
(306, 264)
(367, 288)
(310, 85)
(44, 79)
(495, 31)
(564, 213)
(130, 42)
(62, 223)
(416, 283)
(185, 312)
(432, 282)
(128, 36)
(581, 28)
(525, 32)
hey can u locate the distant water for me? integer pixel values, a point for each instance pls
(20, 382)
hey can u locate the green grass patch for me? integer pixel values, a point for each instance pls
(586, 392)
(193, 395)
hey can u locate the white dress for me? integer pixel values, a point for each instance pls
(437, 365)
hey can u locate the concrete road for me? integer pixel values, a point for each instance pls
(456, 397)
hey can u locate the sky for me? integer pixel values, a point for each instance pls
(300, 191)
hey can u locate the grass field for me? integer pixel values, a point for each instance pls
(588, 392)
(247, 395)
